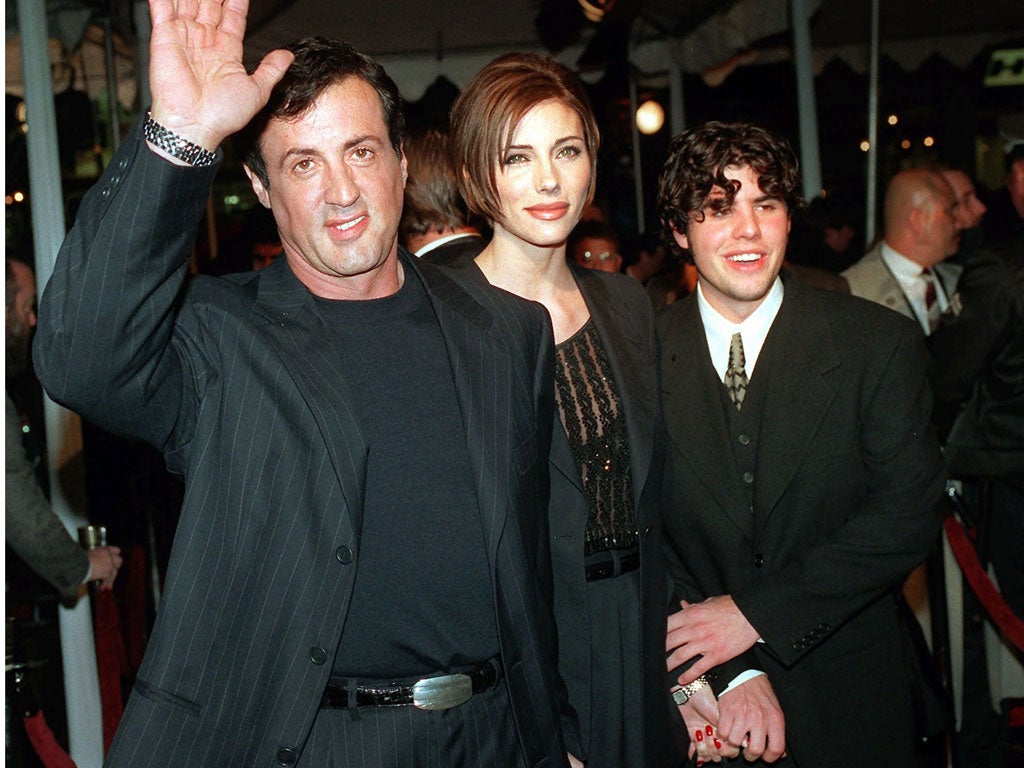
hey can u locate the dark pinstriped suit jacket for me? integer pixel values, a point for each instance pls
(235, 381)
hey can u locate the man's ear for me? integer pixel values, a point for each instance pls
(681, 239)
(917, 219)
(262, 194)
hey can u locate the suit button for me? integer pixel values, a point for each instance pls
(798, 646)
(759, 561)
(647, 530)
(287, 757)
(748, 477)
(123, 165)
(318, 655)
(105, 193)
(744, 439)
(344, 554)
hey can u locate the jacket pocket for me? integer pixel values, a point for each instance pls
(161, 696)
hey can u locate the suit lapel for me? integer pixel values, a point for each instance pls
(483, 375)
(296, 332)
(692, 405)
(797, 355)
(623, 343)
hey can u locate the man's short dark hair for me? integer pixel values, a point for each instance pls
(432, 199)
(321, 62)
(696, 165)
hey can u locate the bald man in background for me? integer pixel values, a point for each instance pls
(907, 271)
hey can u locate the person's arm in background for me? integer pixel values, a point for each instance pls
(34, 531)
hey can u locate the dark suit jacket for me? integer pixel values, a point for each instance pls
(977, 366)
(235, 380)
(623, 318)
(846, 479)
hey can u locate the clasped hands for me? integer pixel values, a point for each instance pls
(747, 719)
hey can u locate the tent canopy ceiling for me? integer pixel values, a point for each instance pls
(428, 26)
(421, 40)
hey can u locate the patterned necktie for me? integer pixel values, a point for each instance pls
(736, 374)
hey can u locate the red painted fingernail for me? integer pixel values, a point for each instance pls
(718, 744)
(699, 735)
(700, 763)
(710, 730)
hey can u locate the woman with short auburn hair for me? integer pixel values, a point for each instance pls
(524, 143)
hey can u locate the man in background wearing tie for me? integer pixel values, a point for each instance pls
(907, 270)
(802, 477)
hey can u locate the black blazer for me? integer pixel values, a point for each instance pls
(623, 317)
(236, 381)
(846, 484)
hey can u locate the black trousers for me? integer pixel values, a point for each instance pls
(480, 732)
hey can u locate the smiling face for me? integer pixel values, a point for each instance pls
(335, 189)
(543, 179)
(738, 250)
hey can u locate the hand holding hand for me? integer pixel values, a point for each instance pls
(750, 717)
(714, 629)
(104, 563)
(200, 88)
(700, 714)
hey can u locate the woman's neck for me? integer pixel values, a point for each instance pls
(539, 274)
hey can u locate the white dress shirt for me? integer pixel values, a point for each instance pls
(914, 285)
(753, 330)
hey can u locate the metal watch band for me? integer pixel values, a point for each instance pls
(175, 145)
(684, 693)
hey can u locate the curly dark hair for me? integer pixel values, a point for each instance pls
(696, 165)
(321, 62)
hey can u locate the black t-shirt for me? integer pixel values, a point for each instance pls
(423, 600)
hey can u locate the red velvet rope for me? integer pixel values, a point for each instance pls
(133, 606)
(45, 745)
(109, 660)
(1006, 621)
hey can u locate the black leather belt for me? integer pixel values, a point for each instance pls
(614, 562)
(440, 692)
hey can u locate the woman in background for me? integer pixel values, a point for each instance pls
(525, 141)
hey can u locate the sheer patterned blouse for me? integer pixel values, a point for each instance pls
(591, 412)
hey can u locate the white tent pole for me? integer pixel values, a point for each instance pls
(872, 170)
(63, 429)
(810, 157)
(111, 67)
(638, 181)
(143, 27)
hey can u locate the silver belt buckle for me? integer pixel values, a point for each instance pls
(442, 692)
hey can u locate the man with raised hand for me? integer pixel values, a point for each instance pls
(360, 574)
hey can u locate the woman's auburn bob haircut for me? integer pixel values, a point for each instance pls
(486, 114)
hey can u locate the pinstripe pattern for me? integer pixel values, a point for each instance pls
(236, 382)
